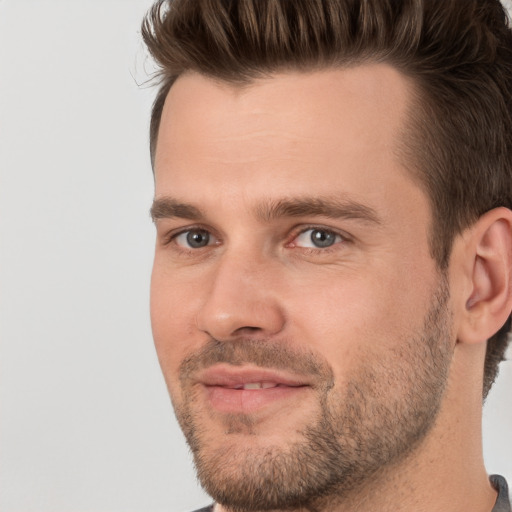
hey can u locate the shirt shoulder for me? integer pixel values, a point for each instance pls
(205, 509)
(503, 501)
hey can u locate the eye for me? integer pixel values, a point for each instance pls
(194, 239)
(317, 238)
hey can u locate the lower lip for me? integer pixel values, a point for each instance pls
(246, 401)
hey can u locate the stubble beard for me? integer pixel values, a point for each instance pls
(381, 416)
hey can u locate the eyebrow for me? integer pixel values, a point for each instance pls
(331, 207)
(168, 208)
(335, 208)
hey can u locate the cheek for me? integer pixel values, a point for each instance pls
(352, 316)
(172, 320)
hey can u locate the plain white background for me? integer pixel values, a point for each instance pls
(86, 424)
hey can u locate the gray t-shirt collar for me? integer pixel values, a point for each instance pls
(503, 502)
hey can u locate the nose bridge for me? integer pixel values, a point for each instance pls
(242, 297)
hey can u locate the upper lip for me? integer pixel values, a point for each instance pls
(224, 375)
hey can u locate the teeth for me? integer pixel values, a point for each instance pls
(259, 385)
(253, 385)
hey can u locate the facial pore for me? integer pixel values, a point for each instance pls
(381, 416)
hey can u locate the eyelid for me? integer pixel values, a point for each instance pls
(170, 236)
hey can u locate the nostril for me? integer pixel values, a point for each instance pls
(247, 329)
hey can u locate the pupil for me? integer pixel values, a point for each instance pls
(198, 239)
(322, 238)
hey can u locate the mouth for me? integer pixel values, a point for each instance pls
(257, 385)
(249, 389)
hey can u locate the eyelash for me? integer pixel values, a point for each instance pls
(171, 237)
(344, 238)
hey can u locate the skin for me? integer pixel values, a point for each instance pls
(229, 152)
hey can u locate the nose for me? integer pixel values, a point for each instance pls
(241, 299)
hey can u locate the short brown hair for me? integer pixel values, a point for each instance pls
(458, 53)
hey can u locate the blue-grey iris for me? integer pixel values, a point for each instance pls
(198, 238)
(322, 238)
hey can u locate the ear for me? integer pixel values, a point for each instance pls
(488, 260)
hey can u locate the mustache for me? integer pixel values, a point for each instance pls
(276, 355)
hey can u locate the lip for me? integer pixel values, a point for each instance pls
(224, 388)
(230, 376)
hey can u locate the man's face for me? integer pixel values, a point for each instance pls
(300, 322)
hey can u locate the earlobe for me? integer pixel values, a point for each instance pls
(489, 303)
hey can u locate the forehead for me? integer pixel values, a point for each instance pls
(335, 129)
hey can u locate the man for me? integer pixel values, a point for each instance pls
(331, 292)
